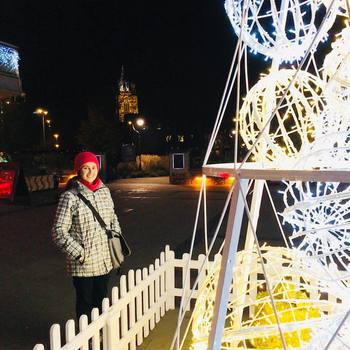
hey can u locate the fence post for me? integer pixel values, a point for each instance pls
(170, 279)
(112, 321)
(151, 296)
(138, 281)
(115, 295)
(145, 297)
(39, 347)
(96, 337)
(123, 312)
(186, 271)
(105, 309)
(70, 330)
(162, 283)
(115, 299)
(83, 323)
(156, 290)
(55, 337)
(131, 285)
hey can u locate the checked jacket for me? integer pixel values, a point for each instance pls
(78, 234)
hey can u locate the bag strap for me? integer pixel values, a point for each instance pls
(94, 211)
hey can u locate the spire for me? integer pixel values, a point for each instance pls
(123, 85)
(122, 74)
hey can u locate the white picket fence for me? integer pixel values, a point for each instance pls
(143, 297)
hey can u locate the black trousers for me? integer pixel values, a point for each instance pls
(90, 291)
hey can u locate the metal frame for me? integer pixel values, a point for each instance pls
(233, 229)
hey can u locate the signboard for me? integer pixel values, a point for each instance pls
(9, 59)
(10, 84)
(178, 160)
(179, 167)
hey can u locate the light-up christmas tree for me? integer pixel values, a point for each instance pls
(295, 121)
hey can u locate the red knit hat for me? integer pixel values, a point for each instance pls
(85, 157)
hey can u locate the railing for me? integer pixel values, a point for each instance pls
(143, 297)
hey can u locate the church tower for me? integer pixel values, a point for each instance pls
(126, 99)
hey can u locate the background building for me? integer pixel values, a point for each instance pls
(10, 83)
(127, 102)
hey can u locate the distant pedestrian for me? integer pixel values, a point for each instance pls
(80, 236)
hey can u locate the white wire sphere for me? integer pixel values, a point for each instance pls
(320, 216)
(292, 127)
(336, 69)
(319, 213)
(288, 273)
(279, 32)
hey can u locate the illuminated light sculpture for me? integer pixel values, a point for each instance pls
(296, 288)
(278, 29)
(291, 129)
(336, 69)
(288, 122)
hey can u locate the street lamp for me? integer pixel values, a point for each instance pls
(232, 133)
(56, 144)
(140, 124)
(42, 113)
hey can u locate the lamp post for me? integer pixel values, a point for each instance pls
(140, 123)
(42, 113)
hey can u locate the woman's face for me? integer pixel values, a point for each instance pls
(88, 172)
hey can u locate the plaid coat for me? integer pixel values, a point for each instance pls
(78, 234)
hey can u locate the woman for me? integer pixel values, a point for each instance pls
(80, 236)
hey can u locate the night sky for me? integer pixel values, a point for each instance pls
(176, 52)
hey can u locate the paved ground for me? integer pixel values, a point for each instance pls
(162, 335)
(35, 291)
